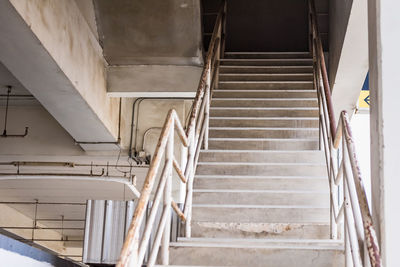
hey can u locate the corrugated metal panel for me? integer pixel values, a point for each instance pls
(114, 231)
(107, 222)
(93, 242)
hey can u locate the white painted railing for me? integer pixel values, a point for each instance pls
(350, 216)
(136, 244)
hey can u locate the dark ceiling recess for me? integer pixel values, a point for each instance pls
(269, 25)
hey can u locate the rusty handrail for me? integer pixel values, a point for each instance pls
(136, 244)
(319, 54)
(369, 230)
(348, 199)
(217, 34)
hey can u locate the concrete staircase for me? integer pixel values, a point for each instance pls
(261, 193)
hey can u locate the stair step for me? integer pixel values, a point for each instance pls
(262, 156)
(261, 242)
(252, 168)
(265, 69)
(254, 182)
(282, 122)
(267, 62)
(260, 197)
(286, 255)
(271, 85)
(263, 112)
(260, 213)
(223, 93)
(263, 144)
(263, 132)
(264, 102)
(260, 230)
(266, 77)
(249, 55)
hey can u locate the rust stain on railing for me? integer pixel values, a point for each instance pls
(369, 230)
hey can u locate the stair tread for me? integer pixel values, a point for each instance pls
(266, 90)
(222, 163)
(264, 139)
(260, 240)
(266, 59)
(224, 176)
(259, 191)
(252, 206)
(238, 128)
(267, 108)
(264, 99)
(272, 245)
(264, 118)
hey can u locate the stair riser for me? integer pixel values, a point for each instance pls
(238, 133)
(231, 112)
(267, 103)
(262, 156)
(261, 169)
(266, 62)
(259, 230)
(281, 123)
(256, 257)
(262, 198)
(263, 144)
(267, 55)
(266, 85)
(266, 77)
(260, 215)
(246, 183)
(263, 94)
(268, 69)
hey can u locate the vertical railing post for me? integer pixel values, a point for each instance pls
(207, 107)
(169, 157)
(188, 205)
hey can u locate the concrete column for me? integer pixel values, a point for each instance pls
(384, 56)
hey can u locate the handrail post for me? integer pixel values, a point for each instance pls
(169, 156)
(188, 204)
(207, 108)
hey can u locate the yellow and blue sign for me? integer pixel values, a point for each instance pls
(363, 100)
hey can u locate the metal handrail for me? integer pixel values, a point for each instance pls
(136, 244)
(350, 214)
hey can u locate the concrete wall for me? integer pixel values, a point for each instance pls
(150, 32)
(348, 52)
(339, 13)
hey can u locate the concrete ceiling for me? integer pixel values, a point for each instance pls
(150, 32)
(59, 191)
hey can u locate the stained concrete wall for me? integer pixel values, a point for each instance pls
(150, 32)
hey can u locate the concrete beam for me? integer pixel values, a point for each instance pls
(348, 62)
(153, 81)
(150, 32)
(51, 50)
